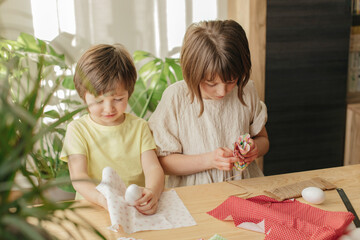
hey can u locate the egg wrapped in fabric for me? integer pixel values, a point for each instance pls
(133, 193)
(313, 195)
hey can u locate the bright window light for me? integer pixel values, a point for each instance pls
(204, 10)
(45, 19)
(175, 16)
(156, 28)
(50, 17)
(66, 11)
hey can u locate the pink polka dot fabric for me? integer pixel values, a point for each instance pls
(171, 213)
(289, 219)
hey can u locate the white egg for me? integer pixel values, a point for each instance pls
(313, 195)
(133, 193)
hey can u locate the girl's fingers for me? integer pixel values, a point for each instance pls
(227, 161)
(251, 154)
(225, 152)
(226, 164)
(233, 159)
(227, 149)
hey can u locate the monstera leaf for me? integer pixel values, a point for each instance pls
(155, 75)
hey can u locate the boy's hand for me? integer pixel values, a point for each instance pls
(148, 203)
(223, 159)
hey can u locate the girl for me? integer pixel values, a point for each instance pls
(198, 120)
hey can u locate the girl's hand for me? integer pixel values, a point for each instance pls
(223, 159)
(148, 203)
(252, 154)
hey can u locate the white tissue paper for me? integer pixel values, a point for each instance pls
(171, 211)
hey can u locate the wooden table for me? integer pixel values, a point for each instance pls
(202, 198)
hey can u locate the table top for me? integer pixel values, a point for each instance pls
(203, 198)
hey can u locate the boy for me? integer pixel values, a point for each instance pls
(107, 136)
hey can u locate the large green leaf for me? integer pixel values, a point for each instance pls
(156, 96)
(29, 43)
(140, 55)
(175, 65)
(54, 53)
(50, 60)
(154, 77)
(139, 97)
(147, 71)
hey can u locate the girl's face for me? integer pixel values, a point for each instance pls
(216, 89)
(108, 109)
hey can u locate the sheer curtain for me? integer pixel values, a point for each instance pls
(156, 26)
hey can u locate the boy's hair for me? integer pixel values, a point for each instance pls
(215, 48)
(102, 68)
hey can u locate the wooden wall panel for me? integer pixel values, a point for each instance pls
(352, 140)
(251, 14)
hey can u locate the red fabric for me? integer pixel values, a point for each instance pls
(289, 219)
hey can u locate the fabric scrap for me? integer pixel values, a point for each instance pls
(294, 190)
(171, 212)
(283, 220)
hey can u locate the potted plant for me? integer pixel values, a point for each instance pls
(24, 56)
(26, 66)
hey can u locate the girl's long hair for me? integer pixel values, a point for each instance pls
(215, 48)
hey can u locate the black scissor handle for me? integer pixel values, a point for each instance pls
(348, 205)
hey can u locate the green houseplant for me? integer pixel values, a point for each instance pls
(25, 58)
(154, 76)
(26, 65)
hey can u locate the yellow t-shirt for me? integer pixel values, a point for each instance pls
(118, 147)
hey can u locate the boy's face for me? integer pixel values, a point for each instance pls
(108, 109)
(216, 89)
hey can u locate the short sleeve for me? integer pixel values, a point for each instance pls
(258, 109)
(164, 124)
(147, 140)
(74, 142)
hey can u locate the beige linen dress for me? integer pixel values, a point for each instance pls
(177, 128)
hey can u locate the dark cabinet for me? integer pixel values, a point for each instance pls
(307, 47)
